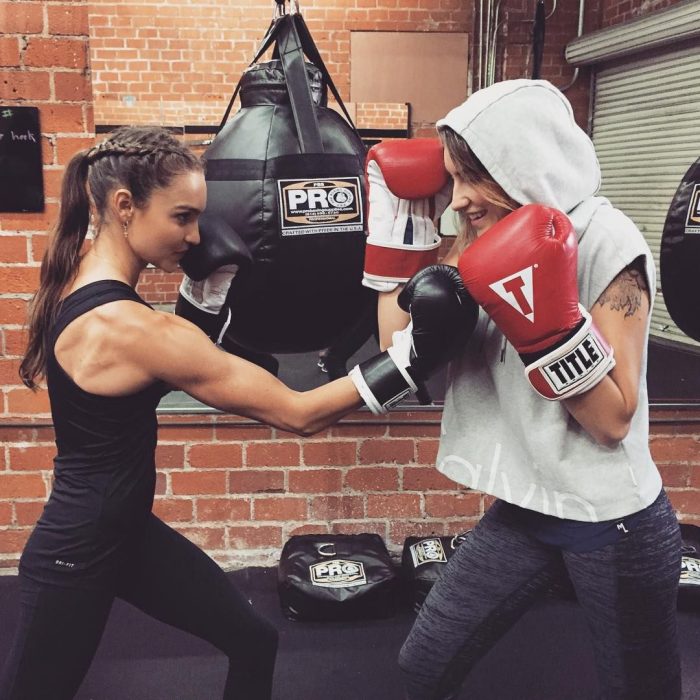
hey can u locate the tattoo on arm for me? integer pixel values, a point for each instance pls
(625, 292)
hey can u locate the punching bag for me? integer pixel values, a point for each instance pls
(287, 174)
(680, 254)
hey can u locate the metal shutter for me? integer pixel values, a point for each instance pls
(646, 130)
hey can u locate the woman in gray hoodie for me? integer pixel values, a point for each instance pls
(576, 488)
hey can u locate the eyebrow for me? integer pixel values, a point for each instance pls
(187, 208)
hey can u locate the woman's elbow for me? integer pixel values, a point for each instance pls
(609, 438)
(300, 425)
(306, 431)
(302, 422)
(614, 431)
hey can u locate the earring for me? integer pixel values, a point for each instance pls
(91, 232)
(125, 227)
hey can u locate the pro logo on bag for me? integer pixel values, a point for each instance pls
(692, 222)
(423, 559)
(336, 577)
(690, 568)
(689, 581)
(337, 573)
(327, 206)
(427, 552)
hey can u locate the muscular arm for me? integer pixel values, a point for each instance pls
(620, 313)
(190, 362)
(121, 347)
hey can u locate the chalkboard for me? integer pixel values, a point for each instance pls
(21, 176)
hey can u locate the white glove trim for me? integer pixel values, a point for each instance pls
(394, 354)
(405, 247)
(365, 393)
(400, 354)
(379, 285)
(209, 294)
(574, 367)
(224, 328)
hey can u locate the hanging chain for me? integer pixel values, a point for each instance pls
(279, 10)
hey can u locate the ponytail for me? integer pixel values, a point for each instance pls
(58, 267)
(141, 159)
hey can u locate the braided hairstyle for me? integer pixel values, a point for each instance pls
(140, 159)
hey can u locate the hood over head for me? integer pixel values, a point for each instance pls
(525, 135)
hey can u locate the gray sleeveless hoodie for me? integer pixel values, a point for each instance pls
(498, 435)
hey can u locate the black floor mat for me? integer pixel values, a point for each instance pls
(546, 656)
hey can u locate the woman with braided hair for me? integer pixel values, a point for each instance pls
(108, 358)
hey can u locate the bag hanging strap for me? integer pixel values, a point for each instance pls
(301, 43)
(314, 56)
(303, 108)
(270, 36)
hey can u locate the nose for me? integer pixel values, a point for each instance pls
(192, 236)
(462, 195)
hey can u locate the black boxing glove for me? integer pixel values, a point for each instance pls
(209, 269)
(219, 246)
(443, 317)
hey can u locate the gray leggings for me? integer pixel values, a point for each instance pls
(627, 591)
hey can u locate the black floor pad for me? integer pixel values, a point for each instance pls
(546, 656)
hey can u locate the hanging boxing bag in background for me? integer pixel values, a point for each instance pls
(287, 174)
(680, 254)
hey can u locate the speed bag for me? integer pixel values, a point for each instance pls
(302, 215)
(680, 254)
(422, 562)
(336, 577)
(689, 584)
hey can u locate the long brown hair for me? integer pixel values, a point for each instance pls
(140, 159)
(472, 170)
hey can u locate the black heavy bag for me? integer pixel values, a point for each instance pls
(680, 254)
(287, 173)
(336, 577)
(689, 584)
(422, 562)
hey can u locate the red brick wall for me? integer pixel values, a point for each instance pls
(43, 63)
(618, 11)
(240, 489)
(560, 28)
(179, 63)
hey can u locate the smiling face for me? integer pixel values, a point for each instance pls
(163, 230)
(471, 198)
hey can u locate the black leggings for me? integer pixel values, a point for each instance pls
(627, 591)
(169, 578)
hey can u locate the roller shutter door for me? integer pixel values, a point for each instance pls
(646, 130)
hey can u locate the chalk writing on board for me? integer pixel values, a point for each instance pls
(21, 173)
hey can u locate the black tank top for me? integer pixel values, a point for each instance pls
(104, 472)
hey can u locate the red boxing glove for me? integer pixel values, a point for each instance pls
(408, 188)
(522, 271)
